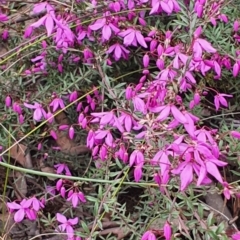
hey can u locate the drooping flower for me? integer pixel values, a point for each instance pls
(220, 99)
(75, 197)
(167, 231)
(133, 37)
(200, 45)
(119, 51)
(62, 167)
(149, 235)
(56, 103)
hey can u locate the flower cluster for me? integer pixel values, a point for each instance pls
(153, 124)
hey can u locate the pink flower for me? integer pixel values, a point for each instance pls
(38, 113)
(47, 21)
(139, 105)
(64, 36)
(167, 231)
(133, 37)
(66, 225)
(53, 134)
(61, 167)
(8, 101)
(16, 108)
(236, 68)
(28, 32)
(236, 25)
(71, 132)
(235, 134)
(148, 236)
(127, 120)
(3, 17)
(200, 45)
(73, 96)
(165, 111)
(5, 34)
(75, 197)
(219, 99)
(167, 6)
(136, 158)
(161, 180)
(122, 153)
(236, 236)
(107, 28)
(25, 208)
(138, 172)
(119, 51)
(56, 103)
(227, 192)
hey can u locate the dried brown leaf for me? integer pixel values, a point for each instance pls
(18, 153)
(64, 142)
(20, 184)
(49, 170)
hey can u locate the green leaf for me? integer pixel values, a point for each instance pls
(106, 208)
(210, 219)
(221, 228)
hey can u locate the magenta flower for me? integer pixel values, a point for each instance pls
(64, 36)
(168, 6)
(8, 101)
(49, 117)
(16, 108)
(36, 204)
(161, 180)
(73, 96)
(21, 209)
(122, 153)
(138, 172)
(139, 105)
(38, 113)
(227, 192)
(75, 197)
(5, 34)
(165, 111)
(219, 99)
(200, 45)
(47, 20)
(41, 7)
(148, 236)
(62, 167)
(236, 236)
(236, 68)
(126, 120)
(103, 152)
(107, 28)
(27, 207)
(161, 158)
(119, 51)
(3, 17)
(133, 37)
(71, 132)
(167, 231)
(136, 158)
(235, 134)
(53, 134)
(56, 103)
(66, 225)
(90, 139)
